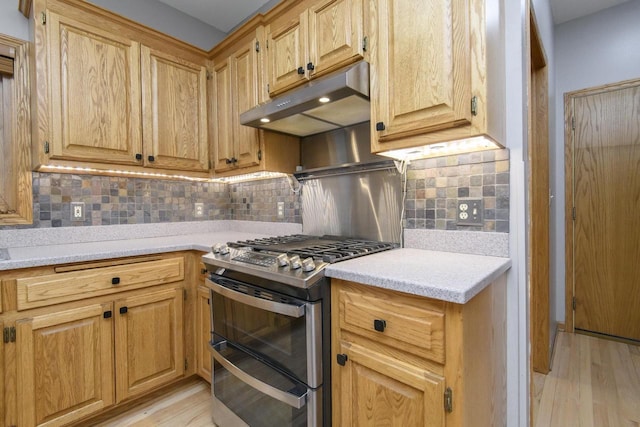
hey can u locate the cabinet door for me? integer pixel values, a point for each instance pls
(64, 365)
(287, 53)
(148, 342)
(2, 412)
(174, 106)
(95, 93)
(421, 73)
(245, 82)
(335, 34)
(222, 120)
(203, 334)
(375, 389)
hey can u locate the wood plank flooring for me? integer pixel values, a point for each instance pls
(593, 383)
(187, 406)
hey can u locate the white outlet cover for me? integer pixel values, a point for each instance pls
(77, 211)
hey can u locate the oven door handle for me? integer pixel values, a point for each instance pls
(290, 310)
(271, 391)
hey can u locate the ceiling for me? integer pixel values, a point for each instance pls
(566, 10)
(221, 14)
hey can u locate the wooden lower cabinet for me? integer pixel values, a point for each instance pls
(403, 360)
(64, 365)
(203, 333)
(148, 342)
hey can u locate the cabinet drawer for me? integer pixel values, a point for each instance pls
(395, 320)
(70, 286)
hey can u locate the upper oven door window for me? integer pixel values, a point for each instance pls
(283, 330)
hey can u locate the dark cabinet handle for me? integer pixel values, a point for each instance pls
(310, 66)
(300, 70)
(115, 280)
(234, 160)
(379, 325)
(107, 314)
(138, 156)
(151, 159)
(203, 271)
(342, 359)
(123, 310)
(380, 126)
(228, 161)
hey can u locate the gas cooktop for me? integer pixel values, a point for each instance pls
(297, 260)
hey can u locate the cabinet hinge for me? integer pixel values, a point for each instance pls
(365, 43)
(186, 364)
(573, 123)
(46, 147)
(573, 213)
(573, 303)
(43, 18)
(9, 334)
(184, 294)
(209, 75)
(267, 87)
(267, 44)
(259, 154)
(448, 400)
(474, 105)
(258, 47)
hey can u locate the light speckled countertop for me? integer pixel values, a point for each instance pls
(446, 276)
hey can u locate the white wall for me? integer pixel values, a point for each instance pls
(591, 51)
(12, 22)
(166, 19)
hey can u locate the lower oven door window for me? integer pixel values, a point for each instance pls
(283, 330)
(247, 389)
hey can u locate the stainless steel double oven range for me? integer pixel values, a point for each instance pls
(270, 339)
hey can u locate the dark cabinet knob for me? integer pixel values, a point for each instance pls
(138, 156)
(310, 66)
(342, 359)
(300, 70)
(107, 314)
(123, 310)
(151, 158)
(380, 126)
(203, 271)
(228, 161)
(379, 325)
(115, 280)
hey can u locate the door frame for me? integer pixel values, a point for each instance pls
(570, 285)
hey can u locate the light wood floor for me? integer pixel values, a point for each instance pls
(593, 383)
(187, 406)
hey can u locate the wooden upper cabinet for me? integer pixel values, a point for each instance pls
(235, 90)
(321, 39)
(64, 365)
(95, 93)
(422, 70)
(174, 108)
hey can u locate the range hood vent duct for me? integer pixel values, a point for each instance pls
(301, 113)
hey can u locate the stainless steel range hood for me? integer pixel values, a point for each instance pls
(301, 112)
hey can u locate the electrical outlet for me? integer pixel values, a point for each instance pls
(77, 211)
(280, 210)
(469, 212)
(198, 210)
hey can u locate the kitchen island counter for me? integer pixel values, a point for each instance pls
(446, 276)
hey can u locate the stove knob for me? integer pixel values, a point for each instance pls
(295, 262)
(283, 260)
(224, 249)
(216, 248)
(308, 264)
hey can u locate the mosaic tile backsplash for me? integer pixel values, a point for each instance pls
(433, 188)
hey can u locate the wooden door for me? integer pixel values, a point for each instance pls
(203, 334)
(64, 365)
(148, 342)
(421, 72)
(287, 52)
(376, 389)
(335, 34)
(244, 66)
(222, 120)
(606, 193)
(174, 107)
(95, 93)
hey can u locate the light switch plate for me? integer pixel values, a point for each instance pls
(469, 212)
